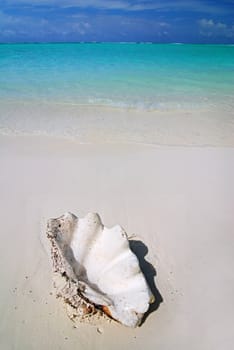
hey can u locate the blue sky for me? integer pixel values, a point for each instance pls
(196, 21)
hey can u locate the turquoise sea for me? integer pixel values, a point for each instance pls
(142, 76)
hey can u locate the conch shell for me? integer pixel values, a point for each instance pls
(95, 271)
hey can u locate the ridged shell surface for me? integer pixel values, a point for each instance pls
(98, 269)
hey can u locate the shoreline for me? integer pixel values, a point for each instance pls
(97, 125)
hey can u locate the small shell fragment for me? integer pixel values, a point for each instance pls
(99, 330)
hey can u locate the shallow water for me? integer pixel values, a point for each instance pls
(131, 93)
(142, 76)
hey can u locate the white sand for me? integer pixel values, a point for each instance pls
(178, 201)
(95, 124)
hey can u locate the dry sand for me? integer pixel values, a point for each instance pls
(178, 201)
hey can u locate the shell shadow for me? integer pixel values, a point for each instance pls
(141, 250)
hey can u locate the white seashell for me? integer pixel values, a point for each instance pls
(96, 271)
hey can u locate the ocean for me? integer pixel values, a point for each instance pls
(144, 76)
(126, 76)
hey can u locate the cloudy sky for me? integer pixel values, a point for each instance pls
(196, 21)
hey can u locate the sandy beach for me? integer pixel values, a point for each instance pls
(177, 200)
(204, 126)
(125, 109)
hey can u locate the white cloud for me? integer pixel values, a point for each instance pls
(24, 26)
(79, 27)
(221, 25)
(4, 18)
(206, 23)
(101, 4)
(130, 5)
(210, 28)
(8, 33)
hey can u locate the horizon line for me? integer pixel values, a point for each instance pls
(111, 42)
